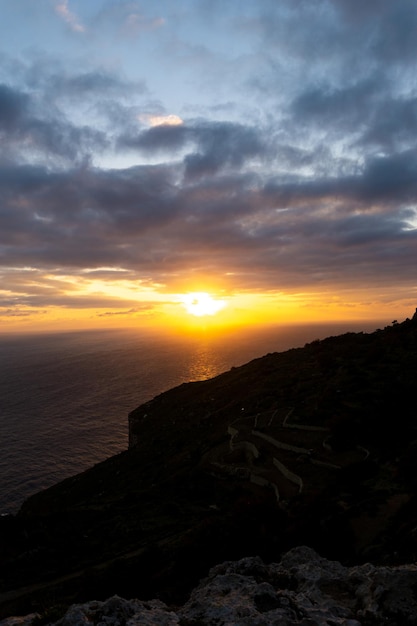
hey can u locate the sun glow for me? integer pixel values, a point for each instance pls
(200, 303)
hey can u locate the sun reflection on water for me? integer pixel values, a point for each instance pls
(204, 363)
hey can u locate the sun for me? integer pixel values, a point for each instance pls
(200, 303)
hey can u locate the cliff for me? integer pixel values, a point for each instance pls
(314, 446)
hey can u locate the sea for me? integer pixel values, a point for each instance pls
(65, 397)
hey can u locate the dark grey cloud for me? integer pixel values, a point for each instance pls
(13, 106)
(92, 84)
(390, 181)
(163, 137)
(395, 40)
(24, 130)
(306, 232)
(81, 216)
(366, 114)
(392, 124)
(38, 101)
(340, 32)
(223, 145)
(349, 70)
(346, 107)
(210, 146)
(59, 85)
(391, 178)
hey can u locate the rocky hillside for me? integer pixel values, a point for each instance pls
(313, 446)
(303, 589)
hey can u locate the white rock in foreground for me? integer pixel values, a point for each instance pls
(302, 590)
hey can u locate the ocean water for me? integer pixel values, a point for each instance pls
(65, 398)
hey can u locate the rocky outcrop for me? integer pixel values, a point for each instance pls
(303, 589)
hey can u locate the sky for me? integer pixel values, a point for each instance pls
(264, 152)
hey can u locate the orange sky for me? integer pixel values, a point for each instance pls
(122, 306)
(265, 153)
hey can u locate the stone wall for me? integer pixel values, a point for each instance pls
(294, 478)
(280, 444)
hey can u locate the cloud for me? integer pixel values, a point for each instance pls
(13, 105)
(135, 22)
(145, 307)
(393, 124)
(344, 108)
(290, 161)
(56, 107)
(164, 120)
(91, 84)
(296, 234)
(28, 129)
(61, 8)
(210, 146)
(11, 313)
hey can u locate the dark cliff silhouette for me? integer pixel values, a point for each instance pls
(315, 446)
